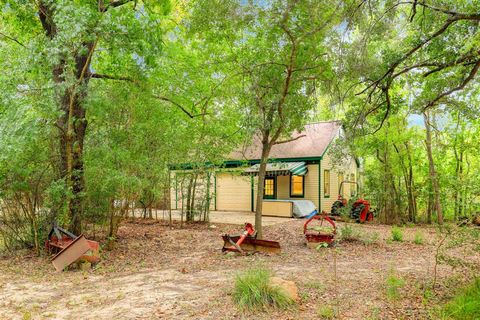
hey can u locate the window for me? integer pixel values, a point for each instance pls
(353, 188)
(269, 189)
(340, 187)
(326, 183)
(297, 186)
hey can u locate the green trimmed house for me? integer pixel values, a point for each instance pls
(303, 173)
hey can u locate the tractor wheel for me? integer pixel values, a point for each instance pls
(356, 210)
(337, 205)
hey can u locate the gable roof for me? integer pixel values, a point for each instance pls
(314, 143)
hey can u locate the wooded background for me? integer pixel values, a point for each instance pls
(99, 97)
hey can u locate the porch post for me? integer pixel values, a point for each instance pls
(319, 185)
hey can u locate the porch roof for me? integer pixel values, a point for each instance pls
(297, 168)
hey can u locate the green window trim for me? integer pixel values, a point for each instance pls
(326, 183)
(302, 195)
(252, 194)
(320, 185)
(274, 196)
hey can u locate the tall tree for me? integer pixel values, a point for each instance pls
(84, 40)
(432, 170)
(276, 54)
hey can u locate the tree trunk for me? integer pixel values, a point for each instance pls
(433, 173)
(261, 186)
(72, 123)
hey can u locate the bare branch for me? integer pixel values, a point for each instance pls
(463, 16)
(112, 4)
(109, 77)
(12, 39)
(178, 105)
(462, 85)
(290, 140)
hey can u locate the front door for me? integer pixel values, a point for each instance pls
(269, 190)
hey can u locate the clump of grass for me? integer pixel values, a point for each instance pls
(397, 234)
(253, 291)
(348, 233)
(464, 305)
(326, 312)
(370, 238)
(419, 239)
(315, 285)
(393, 285)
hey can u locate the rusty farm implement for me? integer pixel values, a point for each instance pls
(69, 248)
(247, 242)
(319, 229)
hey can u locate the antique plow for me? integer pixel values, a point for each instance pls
(247, 242)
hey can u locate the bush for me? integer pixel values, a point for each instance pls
(252, 291)
(397, 234)
(464, 305)
(419, 239)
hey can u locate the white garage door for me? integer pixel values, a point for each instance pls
(233, 192)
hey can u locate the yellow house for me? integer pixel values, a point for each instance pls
(301, 174)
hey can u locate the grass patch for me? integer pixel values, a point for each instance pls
(326, 312)
(397, 234)
(370, 238)
(315, 285)
(393, 285)
(464, 305)
(419, 238)
(349, 234)
(253, 292)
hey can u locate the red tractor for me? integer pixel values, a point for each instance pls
(360, 210)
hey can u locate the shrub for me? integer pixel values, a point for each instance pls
(464, 305)
(252, 291)
(394, 283)
(419, 239)
(397, 234)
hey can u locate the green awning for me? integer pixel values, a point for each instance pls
(298, 168)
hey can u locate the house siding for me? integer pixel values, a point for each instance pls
(347, 167)
(233, 192)
(176, 193)
(283, 186)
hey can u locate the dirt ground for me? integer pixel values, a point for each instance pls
(158, 272)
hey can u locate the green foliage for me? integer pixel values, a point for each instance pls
(253, 291)
(321, 245)
(349, 233)
(393, 286)
(326, 312)
(465, 305)
(419, 238)
(397, 234)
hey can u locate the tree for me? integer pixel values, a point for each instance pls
(81, 40)
(276, 54)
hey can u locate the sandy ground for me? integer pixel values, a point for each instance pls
(157, 272)
(223, 217)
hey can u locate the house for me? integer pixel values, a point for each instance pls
(301, 171)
